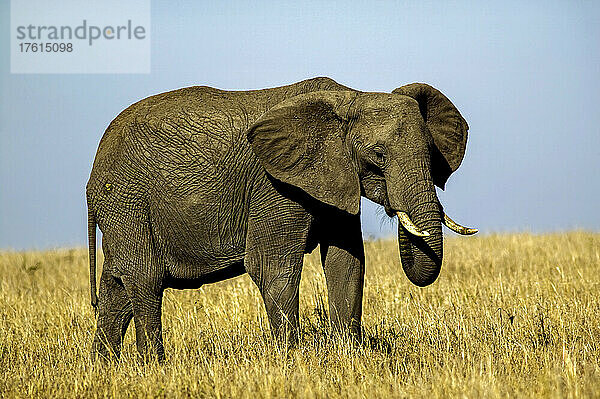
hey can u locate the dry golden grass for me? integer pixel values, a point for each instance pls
(511, 315)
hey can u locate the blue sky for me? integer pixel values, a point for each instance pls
(525, 76)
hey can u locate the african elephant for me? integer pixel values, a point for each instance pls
(198, 185)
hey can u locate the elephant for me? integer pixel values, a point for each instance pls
(198, 185)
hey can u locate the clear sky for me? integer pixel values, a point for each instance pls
(525, 76)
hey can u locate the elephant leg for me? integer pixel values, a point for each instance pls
(343, 260)
(274, 257)
(278, 281)
(146, 298)
(142, 275)
(114, 314)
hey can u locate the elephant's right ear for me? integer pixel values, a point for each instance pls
(301, 142)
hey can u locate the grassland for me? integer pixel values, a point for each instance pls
(511, 315)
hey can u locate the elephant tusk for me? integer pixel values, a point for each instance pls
(457, 228)
(410, 226)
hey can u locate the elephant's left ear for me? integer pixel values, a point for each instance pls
(447, 126)
(301, 142)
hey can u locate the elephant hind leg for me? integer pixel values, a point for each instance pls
(147, 307)
(114, 315)
(141, 286)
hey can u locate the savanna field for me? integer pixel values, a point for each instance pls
(510, 315)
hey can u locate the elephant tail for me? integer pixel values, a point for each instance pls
(92, 255)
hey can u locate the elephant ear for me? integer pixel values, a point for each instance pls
(447, 126)
(301, 142)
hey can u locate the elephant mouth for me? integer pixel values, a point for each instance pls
(388, 207)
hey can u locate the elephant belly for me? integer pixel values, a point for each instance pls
(201, 235)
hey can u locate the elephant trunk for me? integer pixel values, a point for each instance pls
(421, 256)
(420, 244)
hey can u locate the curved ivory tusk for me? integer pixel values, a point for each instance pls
(410, 226)
(457, 228)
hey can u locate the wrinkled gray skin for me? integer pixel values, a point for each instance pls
(199, 185)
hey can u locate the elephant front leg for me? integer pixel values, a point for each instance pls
(278, 279)
(343, 259)
(274, 255)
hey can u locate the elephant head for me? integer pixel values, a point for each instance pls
(390, 148)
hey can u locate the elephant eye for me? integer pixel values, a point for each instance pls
(379, 155)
